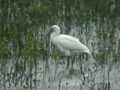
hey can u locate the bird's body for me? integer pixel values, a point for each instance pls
(67, 44)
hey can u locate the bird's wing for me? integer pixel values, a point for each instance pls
(68, 42)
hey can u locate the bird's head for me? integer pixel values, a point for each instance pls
(55, 28)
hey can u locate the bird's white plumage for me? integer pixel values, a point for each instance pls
(66, 43)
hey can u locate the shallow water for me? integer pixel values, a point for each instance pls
(50, 73)
(63, 80)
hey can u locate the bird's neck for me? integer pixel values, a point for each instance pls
(53, 35)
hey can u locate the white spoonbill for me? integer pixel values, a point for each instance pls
(66, 44)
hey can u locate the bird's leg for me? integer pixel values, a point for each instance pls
(69, 67)
(72, 61)
(68, 62)
(81, 66)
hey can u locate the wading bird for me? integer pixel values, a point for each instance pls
(66, 44)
